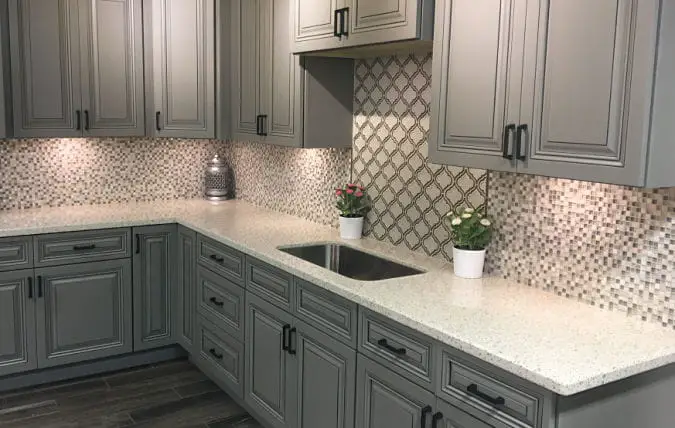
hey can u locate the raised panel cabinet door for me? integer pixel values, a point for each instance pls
(386, 400)
(385, 21)
(154, 261)
(17, 322)
(280, 76)
(271, 375)
(475, 89)
(45, 52)
(185, 287)
(181, 68)
(245, 70)
(326, 379)
(83, 312)
(314, 25)
(584, 95)
(450, 416)
(111, 38)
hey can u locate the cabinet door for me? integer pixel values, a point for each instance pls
(153, 274)
(386, 21)
(475, 91)
(111, 36)
(326, 380)
(454, 417)
(245, 70)
(280, 74)
(584, 93)
(83, 312)
(17, 322)
(45, 52)
(314, 25)
(271, 375)
(182, 68)
(184, 286)
(386, 400)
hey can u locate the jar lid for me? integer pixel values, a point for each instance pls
(217, 161)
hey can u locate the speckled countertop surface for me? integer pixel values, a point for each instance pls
(564, 346)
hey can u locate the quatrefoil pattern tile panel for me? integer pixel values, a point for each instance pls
(391, 128)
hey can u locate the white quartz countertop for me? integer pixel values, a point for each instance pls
(559, 344)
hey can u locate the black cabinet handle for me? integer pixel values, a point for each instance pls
(382, 343)
(78, 120)
(216, 258)
(263, 125)
(495, 401)
(508, 132)
(423, 420)
(217, 302)
(284, 339)
(434, 420)
(213, 352)
(84, 247)
(343, 22)
(86, 120)
(39, 281)
(138, 243)
(292, 344)
(257, 125)
(30, 287)
(522, 129)
(336, 20)
(158, 116)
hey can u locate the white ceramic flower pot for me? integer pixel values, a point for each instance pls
(468, 263)
(351, 227)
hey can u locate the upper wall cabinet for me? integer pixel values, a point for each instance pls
(280, 98)
(320, 25)
(537, 87)
(180, 68)
(77, 67)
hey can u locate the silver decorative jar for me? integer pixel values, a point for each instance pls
(218, 180)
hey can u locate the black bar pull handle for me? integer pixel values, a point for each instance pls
(434, 420)
(216, 258)
(522, 129)
(292, 344)
(423, 419)
(382, 343)
(40, 291)
(30, 287)
(138, 243)
(84, 247)
(343, 21)
(78, 120)
(216, 355)
(495, 401)
(263, 125)
(86, 120)
(336, 20)
(158, 117)
(217, 302)
(284, 339)
(508, 132)
(258, 131)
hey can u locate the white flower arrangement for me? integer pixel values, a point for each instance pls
(471, 230)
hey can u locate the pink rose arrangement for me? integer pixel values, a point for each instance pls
(352, 201)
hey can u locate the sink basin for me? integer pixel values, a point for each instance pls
(351, 262)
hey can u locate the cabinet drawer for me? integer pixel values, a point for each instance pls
(221, 357)
(222, 259)
(408, 352)
(270, 283)
(81, 247)
(221, 301)
(486, 393)
(16, 253)
(326, 311)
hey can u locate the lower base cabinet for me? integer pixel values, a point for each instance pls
(17, 322)
(449, 416)
(83, 312)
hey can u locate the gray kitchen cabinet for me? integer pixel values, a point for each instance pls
(180, 68)
(532, 95)
(111, 39)
(17, 322)
(449, 416)
(280, 98)
(386, 400)
(271, 377)
(83, 312)
(76, 67)
(185, 307)
(326, 378)
(320, 25)
(16, 253)
(153, 276)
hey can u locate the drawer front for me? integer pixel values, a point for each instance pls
(221, 301)
(270, 283)
(81, 247)
(486, 393)
(16, 253)
(326, 311)
(403, 350)
(221, 357)
(222, 259)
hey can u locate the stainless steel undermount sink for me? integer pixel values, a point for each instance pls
(350, 262)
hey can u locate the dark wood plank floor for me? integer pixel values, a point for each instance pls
(169, 395)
